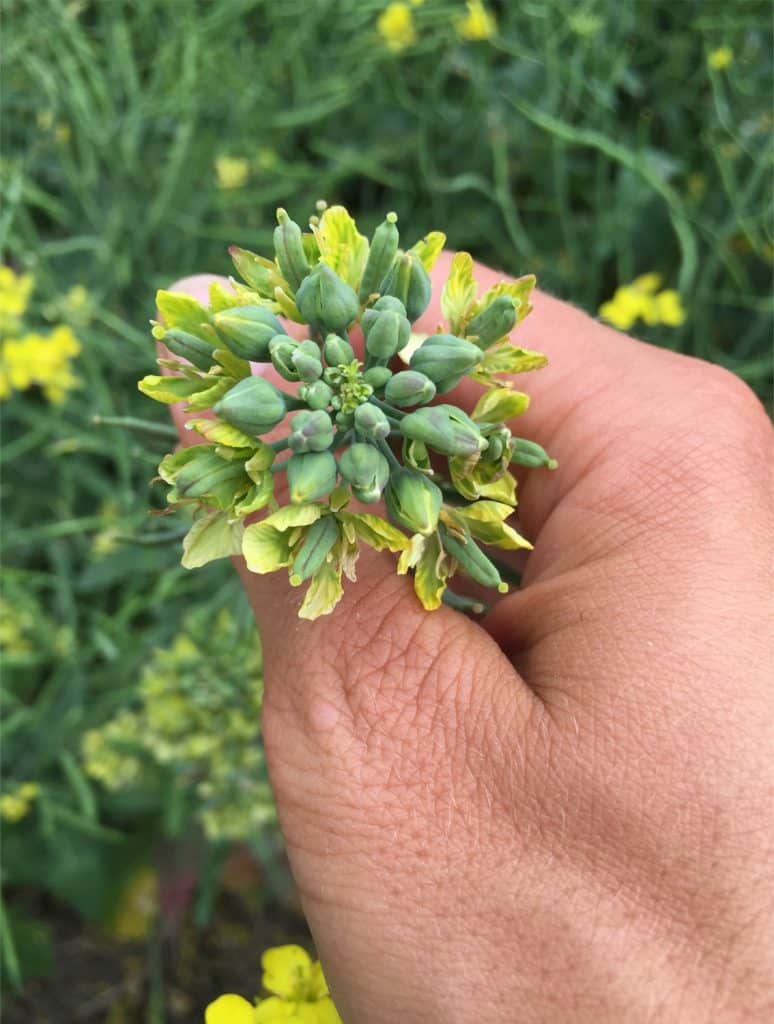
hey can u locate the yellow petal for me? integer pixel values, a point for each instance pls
(459, 292)
(286, 971)
(230, 1009)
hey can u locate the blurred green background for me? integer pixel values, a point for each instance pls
(589, 141)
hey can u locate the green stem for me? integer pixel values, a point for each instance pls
(464, 604)
(150, 540)
(138, 425)
(280, 445)
(390, 410)
(385, 449)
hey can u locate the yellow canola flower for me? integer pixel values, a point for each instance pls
(670, 308)
(231, 171)
(15, 290)
(38, 360)
(230, 1009)
(396, 27)
(641, 300)
(16, 805)
(720, 58)
(477, 24)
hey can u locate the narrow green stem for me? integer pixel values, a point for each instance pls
(385, 449)
(390, 410)
(464, 604)
(149, 540)
(280, 445)
(138, 425)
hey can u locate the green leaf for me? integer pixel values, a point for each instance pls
(324, 592)
(168, 389)
(212, 536)
(171, 465)
(459, 292)
(341, 245)
(429, 248)
(415, 454)
(258, 496)
(265, 548)
(261, 274)
(500, 404)
(180, 310)
(260, 461)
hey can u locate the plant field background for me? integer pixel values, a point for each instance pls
(589, 141)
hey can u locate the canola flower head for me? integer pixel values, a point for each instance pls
(478, 24)
(396, 26)
(16, 804)
(44, 361)
(642, 300)
(15, 291)
(231, 172)
(720, 58)
(360, 425)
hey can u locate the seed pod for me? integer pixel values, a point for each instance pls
(317, 395)
(413, 501)
(384, 245)
(409, 388)
(408, 281)
(338, 351)
(196, 350)
(247, 331)
(529, 453)
(253, 405)
(445, 359)
(445, 428)
(320, 538)
(310, 476)
(493, 323)
(370, 422)
(311, 431)
(386, 334)
(472, 560)
(326, 302)
(366, 469)
(289, 250)
(377, 376)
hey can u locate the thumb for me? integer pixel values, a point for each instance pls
(378, 726)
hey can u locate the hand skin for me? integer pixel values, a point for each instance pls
(564, 813)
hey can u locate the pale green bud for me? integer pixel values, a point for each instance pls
(444, 428)
(314, 549)
(326, 302)
(494, 322)
(247, 331)
(381, 253)
(307, 362)
(190, 347)
(317, 395)
(366, 470)
(377, 376)
(529, 453)
(408, 281)
(370, 422)
(289, 250)
(311, 431)
(409, 388)
(310, 476)
(472, 560)
(386, 333)
(338, 351)
(253, 405)
(281, 351)
(413, 501)
(445, 359)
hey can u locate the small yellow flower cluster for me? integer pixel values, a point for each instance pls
(231, 171)
(16, 804)
(720, 58)
(299, 994)
(29, 358)
(642, 300)
(198, 719)
(396, 24)
(16, 625)
(478, 24)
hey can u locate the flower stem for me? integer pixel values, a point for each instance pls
(385, 449)
(390, 410)
(464, 604)
(138, 425)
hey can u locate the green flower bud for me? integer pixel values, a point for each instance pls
(317, 395)
(281, 349)
(445, 428)
(337, 351)
(413, 501)
(377, 376)
(499, 443)
(311, 431)
(381, 254)
(366, 469)
(207, 475)
(386, 333)
(253, 405)
(370, 422)
(247, 331)
(494, 322)
(310, 476)
(528, 453)
(326, 302)
(308, 366)
(472, 560)
(408, 281)
(195, 350)
(344, 419)
(314, 549)
(409, 388)
(289, 250)
(445, 359)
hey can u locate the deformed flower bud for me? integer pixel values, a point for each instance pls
(289, 250)
(306, 360)
(253, 405)
(408, 281)
(386, 334)
(311, 476)
(366, 469)
(327, 303)
(311, 431)
(409, 388)
(444, 428)
(530, 453)
(337, 351)
(317, 395)
(413, 501)
(247, 331)
(370, 422)
(381, 254)
(196, 350)
(493, 323)
(445, 359)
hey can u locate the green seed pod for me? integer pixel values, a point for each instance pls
(195, 350)
(386, 334)
(529, 453)
(444, 428)
(326, 302)
(377, 376)
(317, 395)
(366, 469)
(338, 351)
(289, 250)
(370, 422)
(408, 281)
(308, 366)
(247, 331)
(314, 549)
(253, 405)
(445, 359)
(472, 560)
(311, 431)
(413, 501)
(409, 388)
(281, 349)
(310, 476)
(381, 254)
(493, 323)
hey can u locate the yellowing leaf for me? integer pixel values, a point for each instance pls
(429, 248)
(507, 358)
(183, 311)
(214, 389)
(290, 516)
(503, 489)
(261, 274)
(486, 522)
(341, 245)
(257, 497)
(169, 389)
(459, 292)
(376, 532)
(519, 290)
(287, 307)
(500, 404)
(212, 536)
(265, 548)
(233, 365)
(172, 464)
(220, 432)
(323, 594)
(260, 461)
(431, 573)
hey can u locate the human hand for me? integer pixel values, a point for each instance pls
(562, 813)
